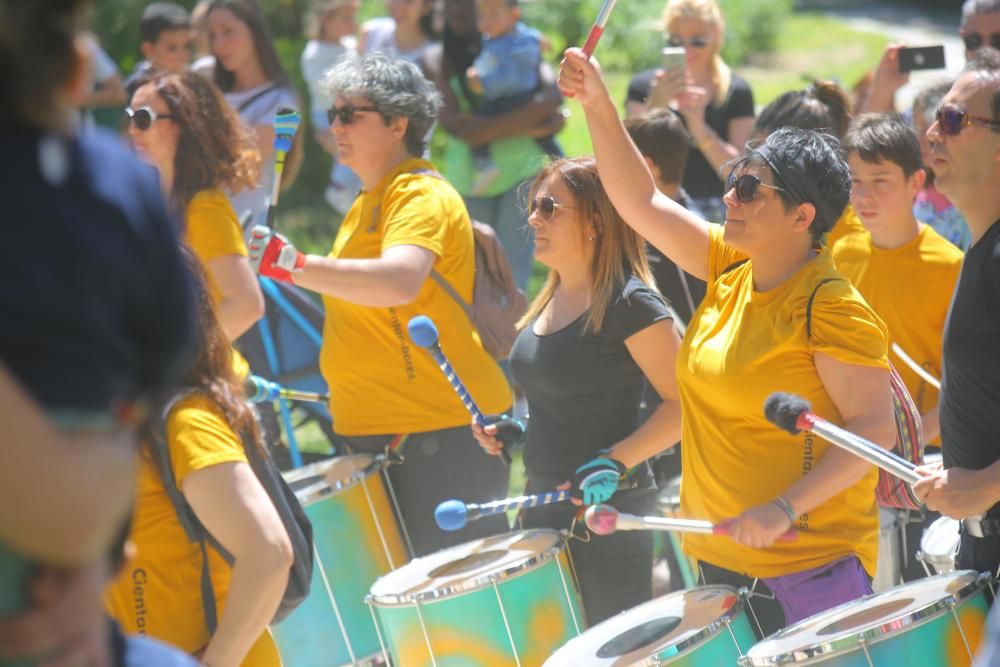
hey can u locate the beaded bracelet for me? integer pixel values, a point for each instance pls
(785, 507)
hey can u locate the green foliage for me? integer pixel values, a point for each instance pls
(752, 27)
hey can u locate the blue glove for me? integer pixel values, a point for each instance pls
(597, 480)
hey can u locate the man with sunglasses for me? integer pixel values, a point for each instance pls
(965, 156)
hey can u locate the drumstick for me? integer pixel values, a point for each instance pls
(455, 514)
(792, 414)
(605, 520)
(598, 28)
(916, 368)
(286, 123)
(259, 389)
(424, 333)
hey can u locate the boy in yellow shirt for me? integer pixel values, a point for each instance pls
(904, 269)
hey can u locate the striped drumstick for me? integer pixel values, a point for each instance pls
(455, 514)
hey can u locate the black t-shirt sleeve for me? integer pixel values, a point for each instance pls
(740, 99)
(638, 87)
(638, 307)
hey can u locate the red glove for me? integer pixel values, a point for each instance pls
(272, 255)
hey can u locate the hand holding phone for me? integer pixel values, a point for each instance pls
(921, 57)
(669, 83)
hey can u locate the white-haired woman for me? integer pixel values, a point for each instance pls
(407, 221)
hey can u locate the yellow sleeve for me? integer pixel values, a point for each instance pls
(720, 255)
(212, 228)
(199, 436)
(846, 328)
(413, 215)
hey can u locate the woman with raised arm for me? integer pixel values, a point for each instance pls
(776, 317)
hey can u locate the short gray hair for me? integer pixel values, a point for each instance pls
(972, 7)
(395, 87)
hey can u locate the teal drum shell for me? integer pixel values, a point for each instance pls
(504, 600)
(356, 540)
(13, 577)
(932, 622)
(697, 627)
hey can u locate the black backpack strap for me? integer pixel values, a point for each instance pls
(253, 98)
(185, 515)
(809, 306)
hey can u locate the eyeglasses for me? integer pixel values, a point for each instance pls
(953, 120)
(746, 186)
(143, 117)
(974, 40)
(345, 113)
(546, 207)
(696, 42)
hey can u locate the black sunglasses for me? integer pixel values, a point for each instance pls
(696, 42)
(974, 41)
(746, 186)
(143, 117)
(345, 113)
(546, 207)
(953, 120)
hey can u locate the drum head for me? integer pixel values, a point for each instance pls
(667, 625)
(941, 538)
(466, 567)
(872, 618)
(337, 473)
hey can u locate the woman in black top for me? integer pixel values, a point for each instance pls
(597, 331)
(717, 105)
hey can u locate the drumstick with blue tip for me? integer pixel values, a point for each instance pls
(605, 520)
(455, 514)
(424, 333)
(286, 124)
(259, 389)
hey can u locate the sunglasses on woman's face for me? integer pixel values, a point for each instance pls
(345, 113)
(143, 117)
(696, 42)
(953, 120)
(974, 41)
(746, 186)
(546, 207)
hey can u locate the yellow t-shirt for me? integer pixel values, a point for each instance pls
(910, 288)
(158, 593)
(740, 347)
(847, 225)
(212, 231)
(380, 382)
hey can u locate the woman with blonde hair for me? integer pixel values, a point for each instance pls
(591, 339)
(717, 105)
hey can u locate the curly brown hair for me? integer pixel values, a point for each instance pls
(215, 149)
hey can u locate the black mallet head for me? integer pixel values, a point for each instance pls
(783, 410)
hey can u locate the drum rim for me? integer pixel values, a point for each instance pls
(334, 487)
(473, 583)
(709, 631)
(873, 635)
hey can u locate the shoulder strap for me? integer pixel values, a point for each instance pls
(809, 306)
(185, 515)
(253, 98)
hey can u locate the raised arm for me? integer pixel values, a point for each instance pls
(675, 231)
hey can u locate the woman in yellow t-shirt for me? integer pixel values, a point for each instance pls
(182, 126)
(158, 593)
(750, 338)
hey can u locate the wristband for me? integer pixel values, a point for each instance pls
(786, 507)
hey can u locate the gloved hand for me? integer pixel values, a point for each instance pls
(596, 480)
(272, 255)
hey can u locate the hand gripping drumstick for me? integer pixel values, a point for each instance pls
(259, 390)
(605, 520)
(792, 414)
(286, 124)
(424, 333)
(598, 28)
(454, 514)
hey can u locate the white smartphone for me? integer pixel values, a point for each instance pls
(673, 57)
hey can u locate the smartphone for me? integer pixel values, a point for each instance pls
(921, 57)
(673, 57)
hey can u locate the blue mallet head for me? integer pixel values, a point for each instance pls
(451, 514)
(286, 124)
(422, 331)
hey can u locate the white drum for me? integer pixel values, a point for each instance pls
(939, 546)
(890, 559)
